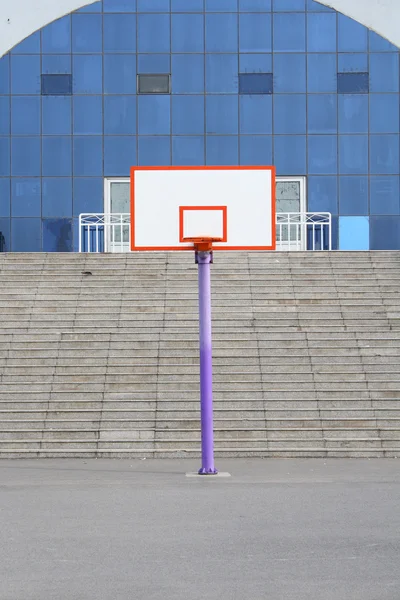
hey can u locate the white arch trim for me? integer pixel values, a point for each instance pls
(20, 18)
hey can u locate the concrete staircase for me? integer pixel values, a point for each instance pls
(99, 355)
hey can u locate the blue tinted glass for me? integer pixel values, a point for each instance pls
(56, 37)
(57, 235)
(379, 44)
(185, 6)
(384, 113)
(288, 5)
(353, 63)
(255, 32)
(153, 6)
(57, 197)
(154, 150)
(323, 194)
(57, 85)
(384, 72)
(57, 156)
(5, 74)
(215, 25)
(255, 114)
(187, 74)
(290, 154)
(4, 156)
(56, 64)
(25, 197)
(385, 233)
(289, 73)
(384, 154)
(87, 33)
(256, 83)
(30, 45)
(188, 115)
(353, 194)
(88, 155)
(5, 237)
(222, 73)
(25, 74)
(95, 7)
(221, 5)
(120, 74)
(222, 114)
(256, 150)
(120, 115)
(321, 32)
(353, 233)
(255, 63)
(4, 197)
(88, 115)
(154, 63)
(353, 83)
(322, 73)
(289, 113)
(353, 113)
(289, 32)
(119, 155)
(322, 154)
(352, 36)
(25, 156)
(154, 33)
(188, 150)
(353, 154)
(385, 195)
(255, 5)
(25, 112)
(222, 150)
(187, 33)
(88, 73)
(89, 194)
(56, 115)
(5, 114)
(119, 33)
(322, 113)
(154, 115)
(315, 6)
(26, 235)
(115, 6)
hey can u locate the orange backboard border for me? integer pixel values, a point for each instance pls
(135, 248)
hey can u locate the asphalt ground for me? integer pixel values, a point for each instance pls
(141, 530)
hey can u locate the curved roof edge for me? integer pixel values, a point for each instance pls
(20, 18)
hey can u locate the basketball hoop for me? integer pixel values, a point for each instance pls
(202, 244)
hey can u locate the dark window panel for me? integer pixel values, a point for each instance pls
(256, 83)
(153, 84)
(353, 83)
(57, 85)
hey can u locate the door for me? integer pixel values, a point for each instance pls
(290, 208)
(117, 209)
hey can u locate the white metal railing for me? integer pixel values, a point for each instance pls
(103, 232)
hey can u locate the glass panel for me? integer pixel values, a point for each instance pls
(87, 33)
(26, 235)
(288, 196)
(26, 156)
(57, 85)
(188, 115)
(154, 115)
(57, 156)
(154, 150)
(119, 155)
(353, 195)
(353, 63)
(185, 6)
(56, 37)
(188, 150)
(57, 197)
(25, 111)
(88, 195)
(4, 156)
(120, 115)
(288, 5)
(322, 73)
(353, 154)
(379, 44)
(30, 45)
(215, 24)
(154, 33)
(120, 74)
(321, 32)
(222, 150)
(4, 197)
(26, 197)
(255, 149)
(88, 115)
(255, 83)
(55, 64)
(385, 233)
(384, 113)
(289, 113)
(5, 74)
(352, 36)
(57, 235)
(290, 154)
(187, 74)
(255, 32)
(222, 73)
(154, 63)
(256, 114)
(120, 197)
(222, 114)
(384, 72)
(353, 113)
(119, 33)
(385, 195)
(289, 73)
(323, 194)
(115, 6)
(289, 32)
(322, 154)
(153, 84)
(88, 74)
(353, 83)
(384, 154)
(88, 155)
(255, 5)
(25, 74)
(322, 113)
(56, 115)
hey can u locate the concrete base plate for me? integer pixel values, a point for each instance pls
(216, 476)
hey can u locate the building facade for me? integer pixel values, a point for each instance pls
(199, 82)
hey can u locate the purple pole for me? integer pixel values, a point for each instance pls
(204, 260)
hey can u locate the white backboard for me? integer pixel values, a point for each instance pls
(236, 204)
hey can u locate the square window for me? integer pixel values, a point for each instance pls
(255, 32)
(353, 194)
(385, 233)
(353, 83)
(57, 197)
(88, 195)
(25, 113)
(120, 74)
(88, 115)
(119, 115)
(57, 85)
(188, 115)
(25, 74)
(153, 83)
(154, 115)
(289, 73)
(289, 113)
(188, 74)
(87, 33)
(88, 155)
(322, 73)
(222, 114)
(119, 33)
(353, 154)
(353, 113)
(385, 195)
(25, 156)
(384, 154)
(5, 113)
(323, 194)
(221, 73)
(222, 150)
(88, 74)
(255, 149)
(289, 32)
(154, 33)
(322, 154)
(56, 115)
(256, 83)
(57, 156)
(322, 113)
(255, 114)
(154, 150)
(290, 154)
(384, 113)
(216, 23)
(188, 150)
(25, 197)
(321, 32)
(26, 235)
(384, 72)
(119, 155)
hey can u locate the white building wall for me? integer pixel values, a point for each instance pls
(21, 18)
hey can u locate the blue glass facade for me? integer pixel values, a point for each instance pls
(287, 82)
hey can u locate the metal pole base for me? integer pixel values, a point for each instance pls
(204, 471)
